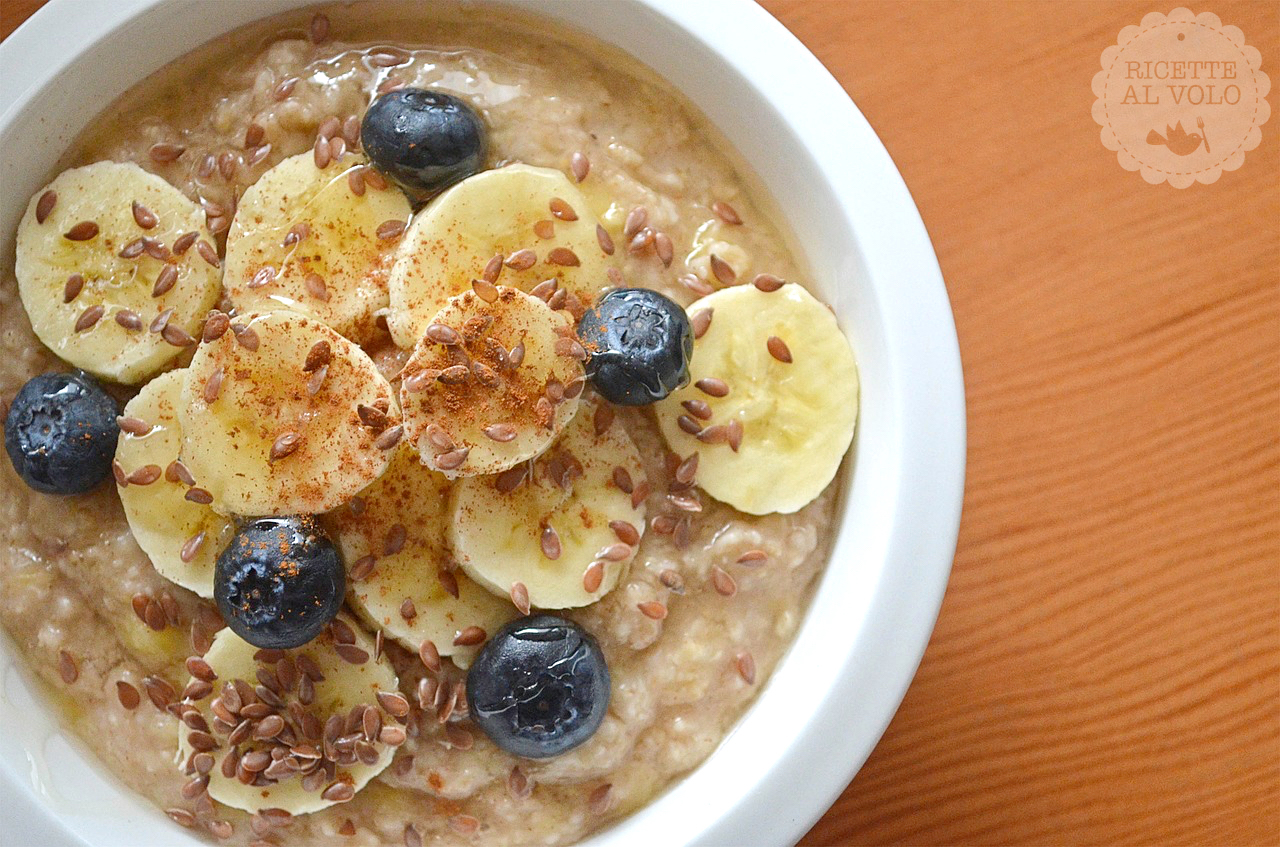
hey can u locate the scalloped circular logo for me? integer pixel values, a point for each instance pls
(1181, 98)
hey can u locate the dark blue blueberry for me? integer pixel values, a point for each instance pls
(424, 140)
(61, 433)
(279, 582)
(638, 344)
(539, 688)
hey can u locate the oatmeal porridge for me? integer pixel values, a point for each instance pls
(446, 455)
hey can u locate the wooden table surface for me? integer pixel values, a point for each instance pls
(1106, 667)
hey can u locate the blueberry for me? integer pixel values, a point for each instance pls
(61, 433)
(639, 343)
(279, 582)
(424, 140)
(539, 688)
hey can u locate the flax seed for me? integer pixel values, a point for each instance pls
(441, 334)
(75, 284)
(549, 541)
(44, 206)
(67, 667)
(521, 260)
(351, 653)
(544, 229)
(227, 164)
(315, 286)
(285, 444)
(165, 153)
(143, 216)
(778, 349)
(337, 148)
(722, 582)
(695, 284)
(448, 581)
(191, 546)
(176, 335)
(683, 533)
(245, 336)
(259, 154)
(159, 691)
(88, 317)
(753, 558)
(128, 695)
(183, 242)
(145, 475)
(600, 799)
(652, 609)
(351, 131)
(128, 319)
(746, 665)
(213, 385)
(391, 229)
(464, 824)
(733, 434)
(722, 270)
(470, 636)
(635, 221)
(726, 213)
(564, 257)
(342, 631)
(320, 152)
(520, 597)
(215, 326)
(254, 133)
(375, 180)
(83, 231)
(580, 166)
(664, 248)
(198, 495)
(394, 541)
(689, 425)
(642, 492)
(641, 241)
(155, 616)
(320, 354)
(767, 282)
(206, 251)
(181, 817)
(389, 438)
(561, 210)
(264, 276)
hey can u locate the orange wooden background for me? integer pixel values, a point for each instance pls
(1106, 668)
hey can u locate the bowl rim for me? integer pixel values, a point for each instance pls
(803, 778)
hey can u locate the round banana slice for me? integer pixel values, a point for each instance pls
(773, 398)
(565, 527)
(319, 242)
(281, 415)
(299, 730)
(168, 514)
(534, 218)
(397, 527)
(116, 270)
(491, 383)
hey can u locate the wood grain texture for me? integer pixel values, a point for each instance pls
(1106, 668)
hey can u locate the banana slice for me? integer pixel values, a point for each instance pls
(319, 242)
(398, 524)
(566, 529)
(491, 384)
(534, 217)
(169, 518)
(281, 415)
(286, 753)
(102, 253)
(773, 399)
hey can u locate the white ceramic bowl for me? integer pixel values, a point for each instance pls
(833, 695)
